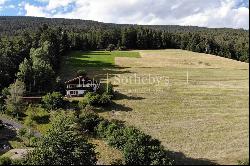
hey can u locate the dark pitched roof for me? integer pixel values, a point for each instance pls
(75, 79)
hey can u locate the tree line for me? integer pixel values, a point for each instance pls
(31, 48)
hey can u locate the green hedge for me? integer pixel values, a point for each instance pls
(95, 99)
(137, 147)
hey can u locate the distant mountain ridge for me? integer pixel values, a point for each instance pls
(15, 24)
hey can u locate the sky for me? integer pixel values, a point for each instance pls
(205, 13)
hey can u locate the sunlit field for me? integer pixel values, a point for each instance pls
(198, 106)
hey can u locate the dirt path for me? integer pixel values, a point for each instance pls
(12, 124)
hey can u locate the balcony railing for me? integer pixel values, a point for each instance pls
(80, 86)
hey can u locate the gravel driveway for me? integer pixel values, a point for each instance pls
(12, 124)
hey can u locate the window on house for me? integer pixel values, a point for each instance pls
(72, 86)
(74, 92)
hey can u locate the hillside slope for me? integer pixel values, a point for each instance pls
(205, 117)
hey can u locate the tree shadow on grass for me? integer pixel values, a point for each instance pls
(114, 107)
(121, 96)
(77, 63)
(101, 53)
(109, 73)
(83, 59)
(120, 107)
(7, 134)
(96, 69)
(181, 159)
(42, 119)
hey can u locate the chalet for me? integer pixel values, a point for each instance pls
(80, 85)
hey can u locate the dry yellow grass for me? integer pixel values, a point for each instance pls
(106, 154)
(206, 118)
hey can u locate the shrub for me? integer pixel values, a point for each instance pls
(5, 92)
(159, 156)
(141, 149)
(62, 145)
(5, 161)
(116, 138)
(53, 101)
(33, 141)
(243, 162)
(122, 48)
(137, 147)
(102, 128)
(112, 132)
(135, 154)
(2, 107)
(135, 151)
(82, 104)
(72, 105)
(18, 162)
(89, 109)
(92, 98)
(22, 132)
(105, 99)
(89, 121)
(26, 136)
(95, 99)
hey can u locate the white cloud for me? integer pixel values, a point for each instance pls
(2, 2)
(35, 11)
(21, 4)
(42, 0)
(211, 13)
(10, 6)
(58, 3)
(222, 16)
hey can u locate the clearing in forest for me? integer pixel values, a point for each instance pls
(196, 104)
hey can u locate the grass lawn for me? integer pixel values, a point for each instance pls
(92, 60)
(41, 121)
(205, 119)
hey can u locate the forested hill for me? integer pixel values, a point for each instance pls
(28, 44)
(13, 24)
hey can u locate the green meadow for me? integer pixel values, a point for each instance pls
(91, 60)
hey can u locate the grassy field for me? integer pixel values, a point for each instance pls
(198, 108)
(90, 61)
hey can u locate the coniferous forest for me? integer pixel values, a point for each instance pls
(31, 47)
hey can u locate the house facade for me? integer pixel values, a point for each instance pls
(79, 86)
